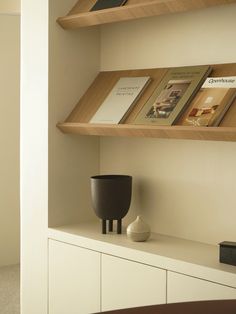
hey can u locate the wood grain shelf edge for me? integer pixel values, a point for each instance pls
(134, 11)
(130, 130)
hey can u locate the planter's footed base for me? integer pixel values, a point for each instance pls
(110, 227)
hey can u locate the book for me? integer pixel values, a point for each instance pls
(105, 4)
(172, 95)
(120, 100)
(212, 101)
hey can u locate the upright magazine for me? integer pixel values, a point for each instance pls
(172, 95)
(120, 100)
(212, 102)
(106, 4)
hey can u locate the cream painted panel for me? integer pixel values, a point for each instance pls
(182, 188)
(10, 6)
(9, 140)
(190, 38)
(181, 288)
(74, 279)
(129, 284)
(34, 156)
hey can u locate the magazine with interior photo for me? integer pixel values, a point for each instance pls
(172, 95)
(121, 100)
(212, 102)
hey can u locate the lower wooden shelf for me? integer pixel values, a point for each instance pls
(78, 120)
(128, 130)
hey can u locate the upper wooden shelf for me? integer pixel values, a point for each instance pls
(78, 121)
(80, 15)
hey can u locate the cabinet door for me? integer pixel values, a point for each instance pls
(74, 279)
(181, 288)
(129, 284)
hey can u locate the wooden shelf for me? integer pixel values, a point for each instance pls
(80, 15)
(78, 120)
(175, 132)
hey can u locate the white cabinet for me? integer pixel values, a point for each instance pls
(130, 284)
(74, 279)
(181, 288)
(84, 281)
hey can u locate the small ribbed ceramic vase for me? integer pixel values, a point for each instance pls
(138, 230)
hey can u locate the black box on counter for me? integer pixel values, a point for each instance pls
(228, 252)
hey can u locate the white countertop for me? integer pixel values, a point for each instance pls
(174, 254)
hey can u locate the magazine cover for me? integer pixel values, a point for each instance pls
(120, 100)
(172, 95)
(212, 102)
(106, 4)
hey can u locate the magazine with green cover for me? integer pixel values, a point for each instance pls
(172, 95)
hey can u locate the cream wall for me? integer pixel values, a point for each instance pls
(10, 6)
(57, 67)
(183, 188)
(9, 139)
(74, 63)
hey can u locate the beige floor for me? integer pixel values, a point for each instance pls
(10, 290)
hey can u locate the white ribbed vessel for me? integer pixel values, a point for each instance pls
(138, 230)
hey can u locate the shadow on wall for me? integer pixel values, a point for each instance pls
(9, 138)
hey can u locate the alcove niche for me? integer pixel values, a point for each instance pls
(183, 188)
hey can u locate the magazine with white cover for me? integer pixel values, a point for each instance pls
(120, 100)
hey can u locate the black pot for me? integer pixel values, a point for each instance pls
(111, 197)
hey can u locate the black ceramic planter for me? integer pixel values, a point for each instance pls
(111, 197)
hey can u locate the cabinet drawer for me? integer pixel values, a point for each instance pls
(74, 279)
(182, 288)
(129, 284)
